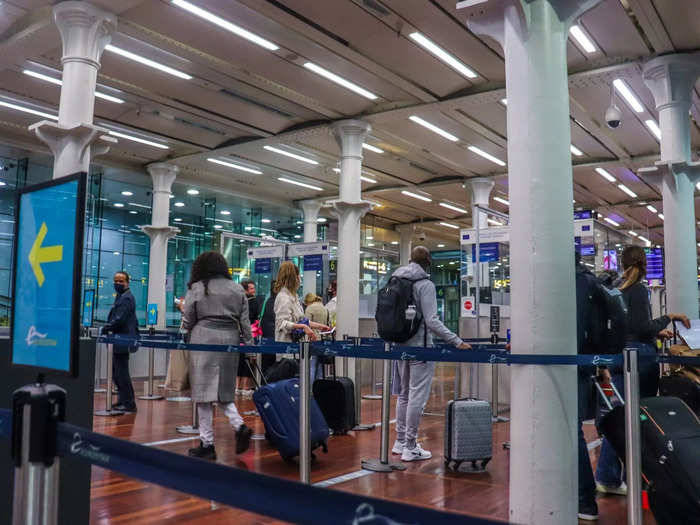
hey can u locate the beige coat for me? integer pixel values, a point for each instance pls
(288, 311)
(219, 317)
(318, 313)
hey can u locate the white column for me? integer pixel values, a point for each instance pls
(543, 457)
(85, 32)
(350, 134)
(310, 210)
(480, 190)
(671, 78)
(405, 242)
(163, 175)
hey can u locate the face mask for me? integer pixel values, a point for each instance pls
(119, 288)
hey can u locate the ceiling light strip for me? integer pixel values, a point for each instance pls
(583, 40)
(486, 155)
(297, 183)
(25, 109)
(290, 154)
(443, 55)
(416, 196)
(147, 62)
(453, 207)
(433, 128)
(628, 95)
(138, 139)
(340, 80)
(235, 166)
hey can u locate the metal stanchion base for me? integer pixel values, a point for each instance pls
(376, 465)
(109, 412)
(363, 427)
(100, 390)
(154, 397)
(251, 413)
(257, 437)
(372, 396)
(506, 445)
(187, 429)
(179, 399)
(500, 419)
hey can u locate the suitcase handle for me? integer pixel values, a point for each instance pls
(252, 373)
(605, 399)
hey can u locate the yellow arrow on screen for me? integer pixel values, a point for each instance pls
(39, 255)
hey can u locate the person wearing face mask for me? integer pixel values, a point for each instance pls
(122, 321)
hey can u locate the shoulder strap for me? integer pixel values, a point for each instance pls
(262, 310)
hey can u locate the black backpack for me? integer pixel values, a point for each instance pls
(392, 303)
(601, 316)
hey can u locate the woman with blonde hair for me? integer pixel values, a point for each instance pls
(289, 313)
(642, 333)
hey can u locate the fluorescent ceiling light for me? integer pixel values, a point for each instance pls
(502, 201)
(645, 240)
(235, 166)
(297, 183)
(661, 216)
(651, 208)
(448, 225)
(321, 220)
(654, 128)
(372, 148)
(133, 212)
(610, 221)
(218, 226)
(337, 170)
(367, 179)
(443, 55)
(138, 139)
(433, 128)
(582, 39)
(605, 174)
(576, 151)
(179, 204)
(225, 24)
(59, 82)
(440, 245)
(487, 156)
(340, 81)
(192, 191)
(118, 205)
(417, 196)
(394, 242)
(265, 221)
(225, 212)
(127, 193)
(290, 154)
(627, 190)
(633, 234)
(453, 207)
(27, 110)
(504, 101)
(628, 95)
(147, 62)
(494, 222)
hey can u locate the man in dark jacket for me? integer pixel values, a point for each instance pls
(122, 321)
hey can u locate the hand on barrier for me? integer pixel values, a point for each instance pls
(464, 346)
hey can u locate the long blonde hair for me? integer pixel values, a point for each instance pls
(287, 277)
(634, 262)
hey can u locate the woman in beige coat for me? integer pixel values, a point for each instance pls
(288, 310)
(216, 312)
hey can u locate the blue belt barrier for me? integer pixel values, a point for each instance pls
(6, 423)
(293, 502)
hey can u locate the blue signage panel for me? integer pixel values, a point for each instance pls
(88, 307)
(655, 264)
(583, 214)
(152, 314)
(263, 265)
(488, 252)
(313, 263)
(46, 286)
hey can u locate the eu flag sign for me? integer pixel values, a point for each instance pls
(47, 277)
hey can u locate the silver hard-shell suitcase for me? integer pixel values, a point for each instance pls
(468, 433)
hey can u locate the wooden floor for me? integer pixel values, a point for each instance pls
(117, 499)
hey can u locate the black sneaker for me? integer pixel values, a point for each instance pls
(588, 511)
(125, 409)
(203, 452)
(243, 435)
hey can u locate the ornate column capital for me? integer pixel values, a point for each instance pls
(310, 209)
(163, 175)
(350, 134)
(480, 189)
(85, 31)
(671, 78)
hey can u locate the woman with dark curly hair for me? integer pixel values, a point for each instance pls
(216, 312)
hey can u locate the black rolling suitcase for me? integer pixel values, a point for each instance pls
(670, 443)
(683, 384)
(336, 398)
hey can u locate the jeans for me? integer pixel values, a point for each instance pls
(586, 483)
(609, 470)
(120, 373)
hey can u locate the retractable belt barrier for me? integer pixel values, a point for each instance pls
(294, 502)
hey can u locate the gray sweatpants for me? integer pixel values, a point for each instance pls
(415, 378)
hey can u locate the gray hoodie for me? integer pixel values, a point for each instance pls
(426, 303)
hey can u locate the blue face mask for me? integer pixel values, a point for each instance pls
(119, 288)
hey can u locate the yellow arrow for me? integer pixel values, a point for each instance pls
(39, 255)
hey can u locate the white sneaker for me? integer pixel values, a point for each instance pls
(415, 454)
(620, 490)
(398, 447)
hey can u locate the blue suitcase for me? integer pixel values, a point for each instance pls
(278, 406)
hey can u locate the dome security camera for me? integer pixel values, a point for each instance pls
(613, 115)
(421, 236)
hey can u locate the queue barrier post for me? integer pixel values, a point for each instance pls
(192, 428)
(37, 410)
(109, 410)
(357, 341)
(382, 464)
(304, 419)
(98, 367)
(150, 395)
(633, 461)
(373, 396)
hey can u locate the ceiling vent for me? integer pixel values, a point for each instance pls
(377, 7)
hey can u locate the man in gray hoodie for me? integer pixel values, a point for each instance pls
(412, 379)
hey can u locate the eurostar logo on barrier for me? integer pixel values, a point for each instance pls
(364, 515)
(87, 450)
(405, 356)
(330, 352)
(34, 338)
(598, 360)
(230, 348)
(493, 358)
(181, 346)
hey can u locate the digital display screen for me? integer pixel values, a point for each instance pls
(655, 264)
(610, 260)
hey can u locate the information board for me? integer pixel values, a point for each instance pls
(655, 264)
(88, 307)
(488, 252)
(152, 314)
(313, 263)
(46, 284)
(263, 265)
